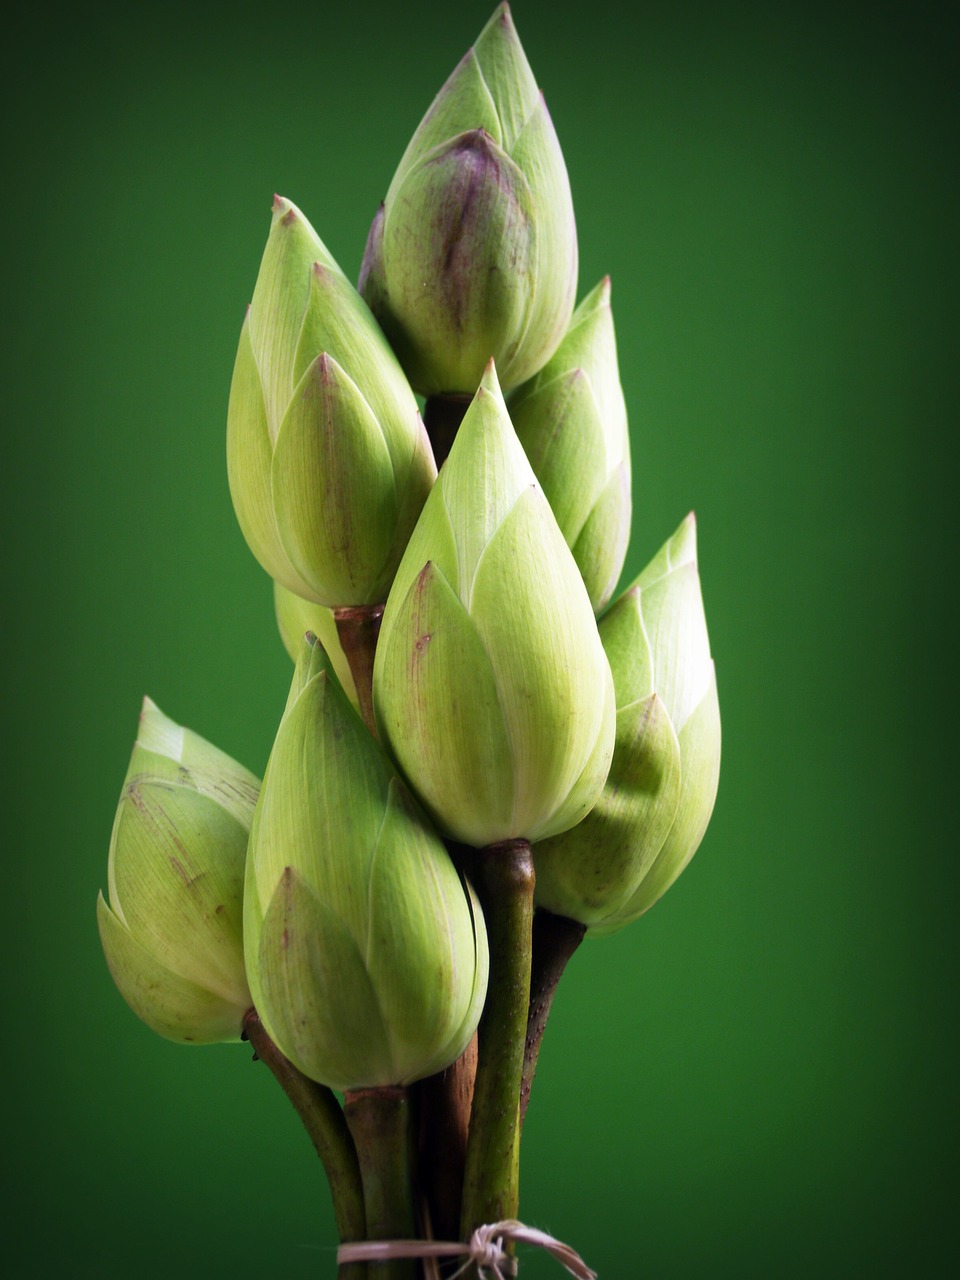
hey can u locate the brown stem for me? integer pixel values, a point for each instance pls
(442, 416)
(555, 939)
(323, 1120)
(358, 627)
(380, 1123)
(491, 1184)
(444, 1104)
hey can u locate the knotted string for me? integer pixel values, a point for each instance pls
(484, 1249)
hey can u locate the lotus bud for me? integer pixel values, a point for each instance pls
(366, 950)
(474, 251)
(572, 422)
(490, 685)
(172, 932)
(327, 459)
(659, 796)
(295, 617)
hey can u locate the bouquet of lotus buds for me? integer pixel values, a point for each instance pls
(481, 759)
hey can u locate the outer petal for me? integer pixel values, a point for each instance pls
(318, 1002)
(676, 628)
(249, 458)
(700, 773)
(538, 155)
(198, 764)
(279, 302)
(507, 73)
(458, 251)
(678, 550)
(421, 922)
(333, 489)
(486, 473)
(590, 344)
(601, 547)
(322, 801)
(560, 429)
(169, 1004)
(628, 649)
(464, 102)
(549, 666)
(592, 870)
(182, 902)
(339, 323)
(439, 713)
(584, 793)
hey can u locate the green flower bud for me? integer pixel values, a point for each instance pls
(366, 951)
(659, 796)
(295, 617)
(490, 685)
(474, 251)
(172, 932)
(327, 458)
(572, 422)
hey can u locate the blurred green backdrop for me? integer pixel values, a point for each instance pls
(756, 1079)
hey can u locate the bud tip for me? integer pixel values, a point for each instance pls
(283, 211)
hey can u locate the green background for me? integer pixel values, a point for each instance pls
(754, 1080)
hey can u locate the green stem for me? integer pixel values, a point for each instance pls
(380, 1121)
(442, 416)
(555, 939)
(358, 628)
(491, 1185)
(324, 1121)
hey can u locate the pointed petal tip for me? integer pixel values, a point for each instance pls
(500, 18)
(156, 732)
(284, 211)
(490, 381)
(688, 534)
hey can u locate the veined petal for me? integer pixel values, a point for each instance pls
(197, 763)
(601, 546)
(559, 426)
(420, 922)
(584, 793)
(432, 539)
(507, 73)
(460, 209)
(549, 666)
(179, 882)
(627, 648)
(590, 344)
(485, 474)
(279, 302)
(249, 459)
(699, 742)
(439, 714)
(678, 550)
(312, 975)
(593, 869)
(333, 489)
(339, 323)
(464, 102)
(537, 154)
(676, 628)
(322, 801)
(168, 1003)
